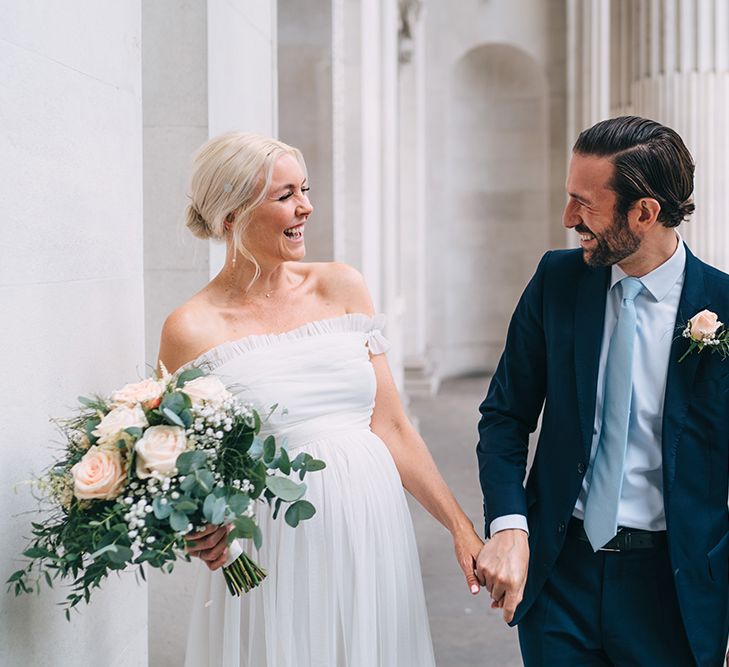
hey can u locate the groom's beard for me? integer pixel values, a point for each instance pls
(613, 245)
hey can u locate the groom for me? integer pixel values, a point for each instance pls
(617, 551)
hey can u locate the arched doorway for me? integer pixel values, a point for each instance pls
(496, 180)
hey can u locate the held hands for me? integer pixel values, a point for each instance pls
(502, 568)
(210, 545)
(467, 546)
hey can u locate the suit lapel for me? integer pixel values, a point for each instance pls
(681, 376)
(589, 321)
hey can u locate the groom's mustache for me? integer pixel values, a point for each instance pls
(581, 229)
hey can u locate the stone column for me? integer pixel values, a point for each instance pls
(681, 78)
(419, 376)
(669, 61)
(71, 288)
(210, 70)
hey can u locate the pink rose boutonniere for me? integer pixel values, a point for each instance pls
(705, 330)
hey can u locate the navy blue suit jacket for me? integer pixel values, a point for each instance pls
(551, 361)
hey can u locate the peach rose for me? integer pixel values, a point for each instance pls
(99, 474)
(704, 325)
(117, 420)
(147, 392)
(206, 388)
(158, 449)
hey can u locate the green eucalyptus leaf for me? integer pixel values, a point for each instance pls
(178, 521)
(188, 483)
(208, 507)
(283, 463)
(257, 537)
(284, 488)
(269, 449)
(315, 464)
(90, 426)
(161, 510)
(186, 376)
(256, 449)
(205, 480)
(186, 417)
(238, 503)
(134, 431)
(219, 511)
(172, 417)
(121, 555)
(244, 527)
(186, 505)
(189, 461)
(299, 511)
(175, 402)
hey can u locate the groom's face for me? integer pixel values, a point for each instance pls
(605, 236)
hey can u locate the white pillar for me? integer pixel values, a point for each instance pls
(242, 75)
(199, 81)
(71, 290)
(419, 378)
(686, 86)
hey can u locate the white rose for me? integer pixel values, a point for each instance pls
(117, 420)
(158, 449)
(207, 388)
(704, 325)
(147, 392)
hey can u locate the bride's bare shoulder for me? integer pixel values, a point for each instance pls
(343, 284)
(187, 333)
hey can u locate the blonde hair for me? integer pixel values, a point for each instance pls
(232, 174)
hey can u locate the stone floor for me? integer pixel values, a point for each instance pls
(466, 632)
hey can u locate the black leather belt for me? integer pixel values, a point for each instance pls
(627, 539)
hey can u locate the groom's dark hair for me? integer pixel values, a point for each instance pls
(650, 160)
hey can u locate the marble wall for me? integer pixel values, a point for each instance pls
(71, 285)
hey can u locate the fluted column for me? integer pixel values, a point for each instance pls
(588, 64)
(669, 60)
(683, 82)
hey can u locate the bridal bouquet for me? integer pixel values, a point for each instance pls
(159, 459)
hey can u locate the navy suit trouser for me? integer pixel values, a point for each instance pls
(606, 608)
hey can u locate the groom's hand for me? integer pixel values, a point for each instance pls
(502, 569)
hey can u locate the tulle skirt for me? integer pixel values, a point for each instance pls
(343, 589)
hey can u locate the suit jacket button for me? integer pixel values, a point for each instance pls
(581, 468)
(561, 527)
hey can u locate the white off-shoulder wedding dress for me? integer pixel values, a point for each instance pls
(344, 588)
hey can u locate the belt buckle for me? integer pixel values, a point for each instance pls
(621, 536)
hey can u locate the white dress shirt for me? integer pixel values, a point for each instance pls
(641, 500)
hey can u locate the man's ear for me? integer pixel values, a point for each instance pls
(648, 210)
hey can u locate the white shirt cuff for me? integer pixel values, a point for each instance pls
(234, 550)
(507, 522)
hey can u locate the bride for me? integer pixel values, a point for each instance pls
(344, 588)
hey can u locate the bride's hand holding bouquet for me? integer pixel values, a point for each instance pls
(143, 470)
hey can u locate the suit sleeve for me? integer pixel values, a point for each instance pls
(511, 409)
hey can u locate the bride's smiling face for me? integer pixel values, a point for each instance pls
(275, 232)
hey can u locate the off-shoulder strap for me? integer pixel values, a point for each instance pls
(377, 343)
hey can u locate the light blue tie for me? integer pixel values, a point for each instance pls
(601, 507)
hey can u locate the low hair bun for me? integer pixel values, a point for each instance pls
(196, 223)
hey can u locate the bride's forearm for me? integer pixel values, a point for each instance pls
(422, 479)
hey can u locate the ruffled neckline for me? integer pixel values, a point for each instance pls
(349, 322)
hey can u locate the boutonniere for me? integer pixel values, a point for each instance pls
(705, 330)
